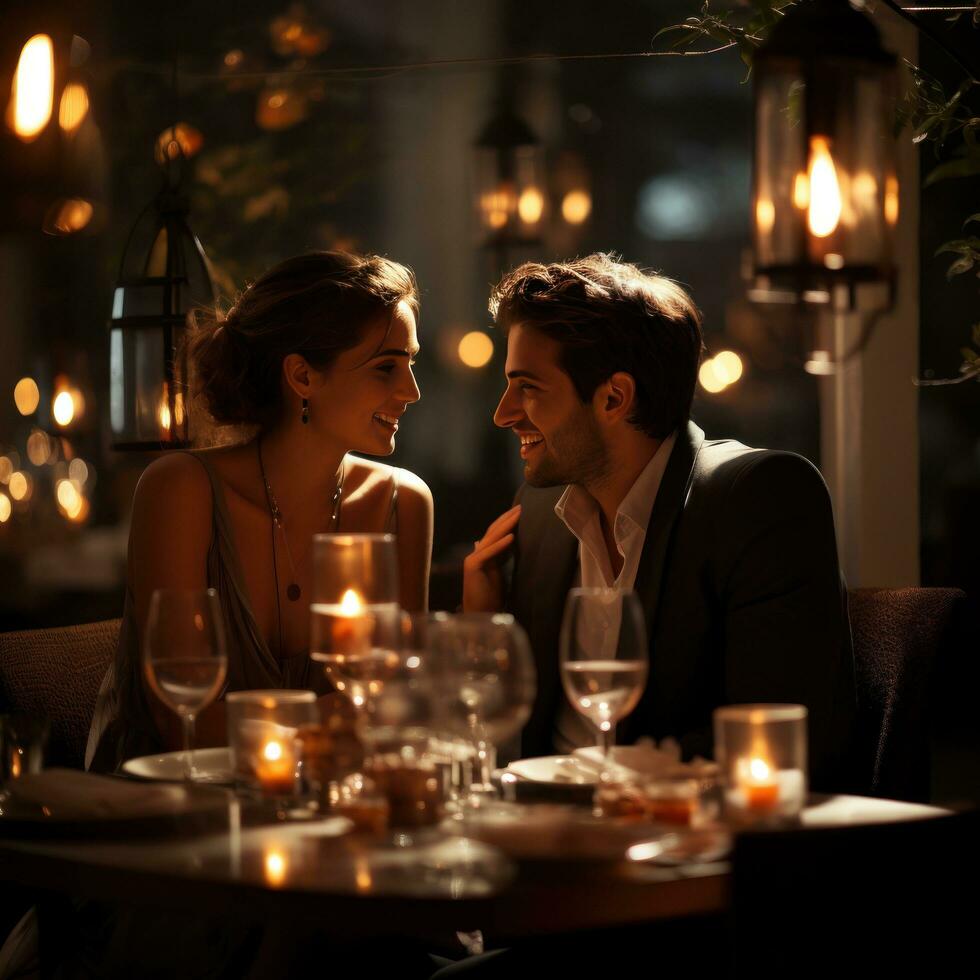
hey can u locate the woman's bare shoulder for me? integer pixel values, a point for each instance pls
(176, 479)
(365, 476)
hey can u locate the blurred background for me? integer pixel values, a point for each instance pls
(304, 126)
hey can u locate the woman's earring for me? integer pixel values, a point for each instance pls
(306, 411)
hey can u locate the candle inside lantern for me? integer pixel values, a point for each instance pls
(275, 767)
(824, 204)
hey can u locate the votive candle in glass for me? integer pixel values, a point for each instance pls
(263, 729)
(762, 754)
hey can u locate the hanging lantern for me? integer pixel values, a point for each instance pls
(51, 157)
(163, 275)
(825, 187)
(510, 198)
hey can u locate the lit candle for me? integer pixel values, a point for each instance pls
(276, 767)
(759, 782)
(275, 865)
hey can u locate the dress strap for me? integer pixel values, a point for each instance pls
(391, 524)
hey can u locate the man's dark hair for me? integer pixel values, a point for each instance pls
(611, 316)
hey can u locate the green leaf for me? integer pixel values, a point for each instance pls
(961, 265)
(964, 245)
(966, 167)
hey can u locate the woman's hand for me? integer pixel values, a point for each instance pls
(483, 589)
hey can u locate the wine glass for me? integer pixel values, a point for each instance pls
(355, 619)
(184, 656)
(489, 683)
(604, 657)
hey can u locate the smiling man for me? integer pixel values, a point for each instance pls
(731, 550)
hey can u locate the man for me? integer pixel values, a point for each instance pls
(731, 550)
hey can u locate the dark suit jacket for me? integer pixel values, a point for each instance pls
(742, 592)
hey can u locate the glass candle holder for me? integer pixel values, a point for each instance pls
(355, 620)
(761, 751)
(263, 732)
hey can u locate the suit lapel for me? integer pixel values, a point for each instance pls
(670, 501)
(554, 573)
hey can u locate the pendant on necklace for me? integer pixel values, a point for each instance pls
(293, 592)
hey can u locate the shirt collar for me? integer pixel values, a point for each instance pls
(577, 507)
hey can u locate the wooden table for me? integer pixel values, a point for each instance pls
(350, 886)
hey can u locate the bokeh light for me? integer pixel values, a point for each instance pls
(38, 447)
(475, 349)
(530, 206)
(5, 508)
(26, 396)
(19, 486)
(576, 206)
(63, 409)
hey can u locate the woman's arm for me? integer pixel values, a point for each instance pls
(169, 540)
(415, 516)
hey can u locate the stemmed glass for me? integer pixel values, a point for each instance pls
(184, 656)
(604, 657)
(355, 620)
(489, 682)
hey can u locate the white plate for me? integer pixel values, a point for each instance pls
(563, 770)
(212, 765)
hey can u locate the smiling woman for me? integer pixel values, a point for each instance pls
(313, 362)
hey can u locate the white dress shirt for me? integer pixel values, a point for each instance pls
(579, 511)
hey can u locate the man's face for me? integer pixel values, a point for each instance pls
(560, 439)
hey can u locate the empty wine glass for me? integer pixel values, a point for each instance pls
(489, 683)
(184, 656)
(604, 657)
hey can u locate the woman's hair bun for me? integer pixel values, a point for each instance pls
(317, 305)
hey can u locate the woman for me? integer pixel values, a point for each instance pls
(316, 359)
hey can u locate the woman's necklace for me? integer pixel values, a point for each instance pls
(293, 591)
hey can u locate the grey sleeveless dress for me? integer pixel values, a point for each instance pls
(123, 725)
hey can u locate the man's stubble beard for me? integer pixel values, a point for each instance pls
(574, 454)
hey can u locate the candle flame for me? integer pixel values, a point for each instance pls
(759, 770)
(351, 604)
(272, 751)
(32, 94)
(275, 867)
(824, 210)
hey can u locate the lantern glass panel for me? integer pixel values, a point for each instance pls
(510, 195)
(780, 161)
(142, 406)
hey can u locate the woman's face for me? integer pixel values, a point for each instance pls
(359, 400)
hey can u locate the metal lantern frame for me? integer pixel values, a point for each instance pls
(509, 163)
(823, 75)
(157, 298)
